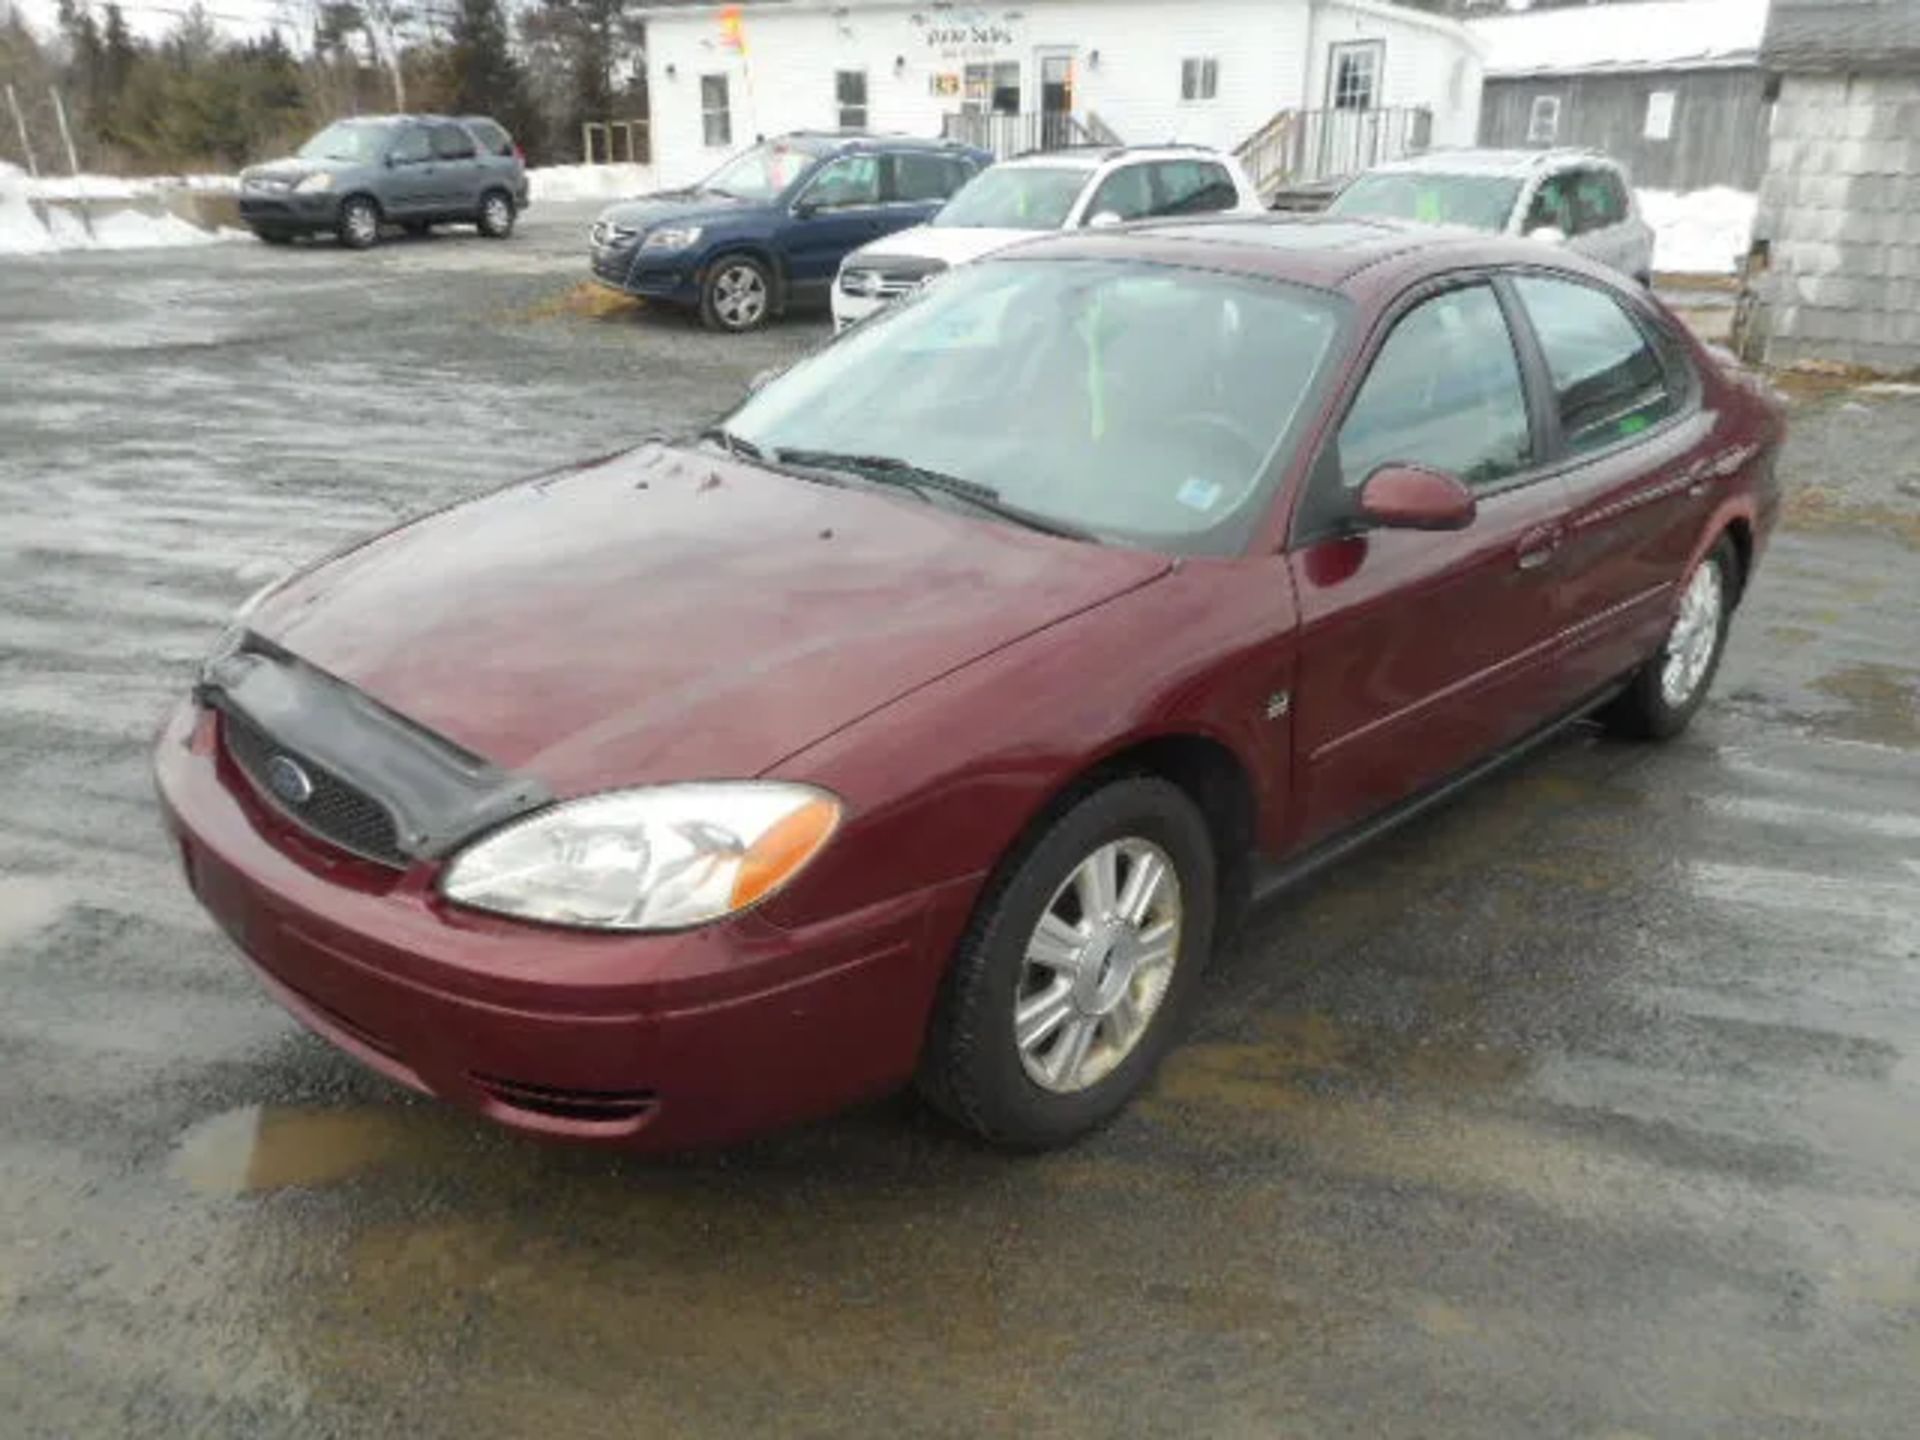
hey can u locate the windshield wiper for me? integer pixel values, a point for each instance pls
(891, 470)
(736, 445)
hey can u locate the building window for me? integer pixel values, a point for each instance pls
(716, 118)
(993, 89)
(1543, 120)
(850, 97)
(1353, 75)
(1199, 79)
(1660, 115)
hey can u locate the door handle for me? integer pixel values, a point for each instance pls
(1537, 547)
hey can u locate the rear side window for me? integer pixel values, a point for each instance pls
(490, 137)
(1608, 384)
(920, 177)
(1599, 200)
(452, 142)
(1444, 392)
(1193, 187)
(1127, 193)
(412, 146)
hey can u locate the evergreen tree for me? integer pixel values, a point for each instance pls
(486, 77)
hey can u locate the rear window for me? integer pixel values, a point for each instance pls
(1480, 202)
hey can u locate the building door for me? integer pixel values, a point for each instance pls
(1055, 68)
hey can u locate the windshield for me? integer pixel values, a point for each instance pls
(1483, 202)
(1019, 197)
(1143, 403)
(761, 173)
(346, 140)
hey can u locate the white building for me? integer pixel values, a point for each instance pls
(1326, 86)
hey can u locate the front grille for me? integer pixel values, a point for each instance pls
(889, 280)
(335, 811)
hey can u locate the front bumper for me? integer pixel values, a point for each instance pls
(666, 276)
(654, 1041)
(288, 209)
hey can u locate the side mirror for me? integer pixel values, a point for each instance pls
(1105, 220)
(1548, 234)
(805, 209)
(1412, 497)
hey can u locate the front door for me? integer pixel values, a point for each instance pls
(411, 174)
(842, 207)
(1055, 67)
(1422, 652)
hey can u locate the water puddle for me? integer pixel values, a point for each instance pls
(1883, 704)
(270, 1147)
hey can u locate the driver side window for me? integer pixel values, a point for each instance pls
(412, 146)
(1444, 392)
(850, 180)
(1552, 205)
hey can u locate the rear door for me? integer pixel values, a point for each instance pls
(457, 169)
(842, 207)
(1637, 458)
(1421, 652)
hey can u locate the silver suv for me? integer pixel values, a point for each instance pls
(414, 171)
(1577, 198)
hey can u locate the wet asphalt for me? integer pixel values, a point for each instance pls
(1588, 1106)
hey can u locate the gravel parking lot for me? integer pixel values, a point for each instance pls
(1584, 1107)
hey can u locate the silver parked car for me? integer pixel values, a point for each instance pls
(1577, 198)
(414, 171)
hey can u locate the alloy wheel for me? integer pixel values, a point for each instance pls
(496, 214)
(363, 225)
(1098, 965)
(1695, 635)
(740, 296)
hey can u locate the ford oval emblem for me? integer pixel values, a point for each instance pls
(288, 779)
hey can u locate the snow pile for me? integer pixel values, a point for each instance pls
(116, 226)
(1614, 37)
(118, 187)
(1699, 232)
(21, 232)
(559, 183)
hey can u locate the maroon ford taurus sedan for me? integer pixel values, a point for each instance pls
(930, 716)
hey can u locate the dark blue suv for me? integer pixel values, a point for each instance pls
(771, 226)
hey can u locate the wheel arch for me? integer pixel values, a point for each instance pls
(754, 249)
(359, 193)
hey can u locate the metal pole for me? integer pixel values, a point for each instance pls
(73, 160)
(20, 123)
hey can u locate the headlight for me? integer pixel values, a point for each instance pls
(661, 858)
(311, 184)
(672, 237)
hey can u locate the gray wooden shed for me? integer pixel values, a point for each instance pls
(1836, 271)
(1672, 88)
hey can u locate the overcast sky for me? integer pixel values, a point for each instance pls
(156, 17)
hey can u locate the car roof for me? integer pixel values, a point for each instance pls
(1092, 157)
(1516, 164)
(1327, 252)
(866, 140)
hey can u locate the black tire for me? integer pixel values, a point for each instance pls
(275, 237)
(359, 222)
(737, 295)
(418, 228)
(1649, 709)
(496, 217)
(972, 1069)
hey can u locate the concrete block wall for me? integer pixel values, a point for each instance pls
(1840, 208)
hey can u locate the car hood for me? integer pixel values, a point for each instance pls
(292, 169)
(669, 615)
(953, 244)
(688, 206)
